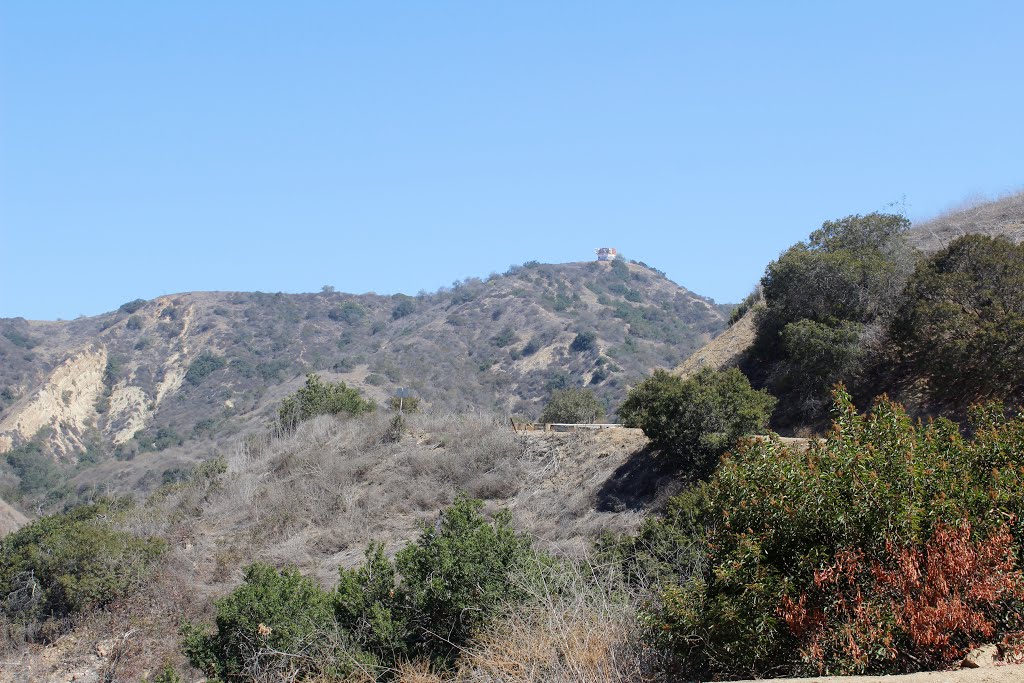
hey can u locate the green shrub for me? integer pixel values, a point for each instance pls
(407, 404)
(21, 339)
(132, 306)
(162, 439)
(134, 322)
(114, 369)
(439, 590)
(277, 624)
(696, 419)
(869, 502)
(71, 563)
(505, 337)
(167, 675)
(531, 347)
(205, 364)
(405, 306)
(573, 406)
(349, 312)
(426, 603)
(368, 608)
(455, 578)
(961, 322)
(321, 398)
(584, 341)
(36, 470)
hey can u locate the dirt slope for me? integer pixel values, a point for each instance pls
(1004, 216)
(10, 519)
(725, 350)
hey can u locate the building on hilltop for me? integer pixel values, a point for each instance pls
(606, 254)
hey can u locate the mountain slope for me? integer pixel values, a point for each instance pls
(1003, 216)
(155, 374)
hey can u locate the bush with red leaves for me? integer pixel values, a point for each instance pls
(915, 608)
(887, 547)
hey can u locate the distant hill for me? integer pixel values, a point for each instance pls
(193, 367)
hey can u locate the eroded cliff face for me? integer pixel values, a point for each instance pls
(65, 402)
(80, 399)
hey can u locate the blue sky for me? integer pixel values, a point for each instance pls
(156, 147)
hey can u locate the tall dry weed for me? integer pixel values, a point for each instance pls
(579, 627)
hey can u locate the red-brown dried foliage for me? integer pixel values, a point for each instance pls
(916, 607)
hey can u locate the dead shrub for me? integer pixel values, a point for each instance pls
(919, 608)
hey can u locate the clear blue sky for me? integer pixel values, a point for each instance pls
(154, 147)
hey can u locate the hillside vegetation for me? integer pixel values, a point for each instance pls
(928, 313)
(857, 303)
(1002, 217)
(179, 375)
(320, 531)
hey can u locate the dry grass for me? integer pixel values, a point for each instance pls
(1003, 216)
(578, 628)
(315, 498)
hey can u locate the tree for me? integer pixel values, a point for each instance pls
(696, 419)
(961, 321)
(820, 298)
(321, 398)
(848, 270)
(405, 306)
(572, 406)
(205, 364)
(584, 341)
(819, 356)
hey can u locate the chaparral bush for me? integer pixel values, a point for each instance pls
(886, 547)
(71, 563)
(321, 398)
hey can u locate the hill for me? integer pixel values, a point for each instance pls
(181, 372)
(1004, 216)
(316, 498)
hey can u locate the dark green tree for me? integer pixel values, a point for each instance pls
(820, 296)
(699, 418)
(961, 321)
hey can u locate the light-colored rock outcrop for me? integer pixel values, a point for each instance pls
(66, 402)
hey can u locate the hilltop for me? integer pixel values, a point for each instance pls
(1000, 217)
(180, 372)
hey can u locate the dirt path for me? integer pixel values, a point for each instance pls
(1012, 673)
